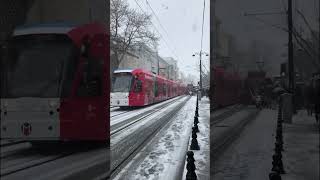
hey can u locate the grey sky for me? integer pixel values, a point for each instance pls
(182, 21)
(246, 29)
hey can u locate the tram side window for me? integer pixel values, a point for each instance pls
(156, 88)
(160, 88)
(91, 80)
(165, 89)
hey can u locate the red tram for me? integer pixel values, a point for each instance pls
(55, 83)
(138, 87)
(227, 87)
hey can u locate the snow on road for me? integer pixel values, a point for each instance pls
(249, 157)
(163, 157)
(130, 114)
(139, 126)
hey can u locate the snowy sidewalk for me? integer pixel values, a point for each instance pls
(301, 145)
(202, 156)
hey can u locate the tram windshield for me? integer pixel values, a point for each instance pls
(122, 82)
(35, 65)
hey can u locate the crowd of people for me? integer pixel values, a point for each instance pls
(307, 98)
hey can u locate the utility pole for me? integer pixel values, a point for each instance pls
(290, 48)
(200, 82)
(290, 56)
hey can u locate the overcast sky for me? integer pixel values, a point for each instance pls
(247, 28)
(182, 20)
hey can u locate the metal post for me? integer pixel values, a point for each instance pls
(290, 52)
(200, 84)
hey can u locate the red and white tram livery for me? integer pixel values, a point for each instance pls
(55, 83)
(138, 87)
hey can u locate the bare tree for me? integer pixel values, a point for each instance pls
(128, 28)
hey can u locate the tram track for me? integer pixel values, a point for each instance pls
(14, 149)
(126, 149)
(117, 111)
(17, 161)
(232, 129)
(135, 119)
(10, 143)
(30, 162)
(222, 116)
(50, 164)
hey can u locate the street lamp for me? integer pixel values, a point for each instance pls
(200, 81)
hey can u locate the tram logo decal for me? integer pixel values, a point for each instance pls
(26, 129)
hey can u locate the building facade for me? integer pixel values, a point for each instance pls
(142, 56)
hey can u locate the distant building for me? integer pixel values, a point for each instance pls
(172, 68)
(142, 56)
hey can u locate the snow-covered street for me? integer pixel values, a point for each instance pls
(249, 155)
(137, 144)
(162, 157)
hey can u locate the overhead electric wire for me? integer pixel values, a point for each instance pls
(157, 18)
(204, 8)
(158, 32)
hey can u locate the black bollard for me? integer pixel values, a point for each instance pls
(196, 128)
(279, 137)
(281, 167)
(191, 167)
(279, 140)
(274, 176)
(275, 167)
(279, 131)
(194, 142)
(277, 163)
(196, 119)
(278, 148)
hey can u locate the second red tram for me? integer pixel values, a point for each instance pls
(138, 87)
